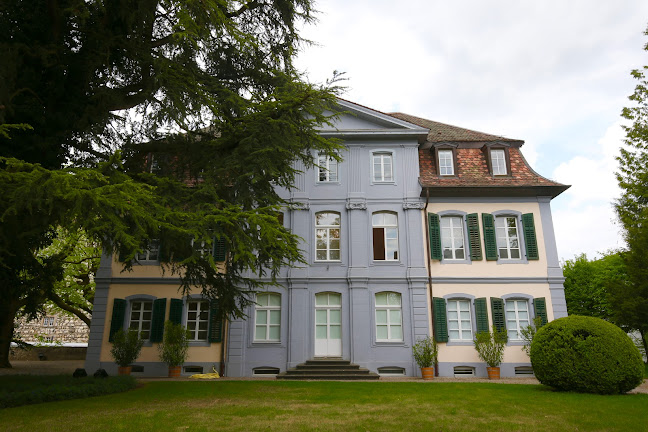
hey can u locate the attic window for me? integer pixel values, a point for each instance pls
(498, 162)
(446, 165)
(445, 158)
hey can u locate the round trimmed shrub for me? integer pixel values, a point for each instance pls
(587, 355)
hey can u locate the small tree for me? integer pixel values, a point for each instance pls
(175, 345)
(126, 347)
(490, 346)
(529, 332)
(425, 352)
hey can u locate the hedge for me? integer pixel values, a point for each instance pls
(20, 390)
(587, 355)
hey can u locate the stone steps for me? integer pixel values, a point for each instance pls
(328, 369)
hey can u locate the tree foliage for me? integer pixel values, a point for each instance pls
(630, 303)
(588, 283)
(136, 120)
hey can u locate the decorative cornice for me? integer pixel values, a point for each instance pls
(356, 204)
(413, 205)
(496, 280)
(300, 205)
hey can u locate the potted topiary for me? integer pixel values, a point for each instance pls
(490, 348)
(174, 347)
(125, 350)
(425, 354)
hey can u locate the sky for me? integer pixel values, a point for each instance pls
(555, 74)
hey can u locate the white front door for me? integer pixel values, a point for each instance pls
(328, 325)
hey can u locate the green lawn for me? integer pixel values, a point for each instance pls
(368, 406)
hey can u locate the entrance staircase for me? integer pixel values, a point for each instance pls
(328, 369)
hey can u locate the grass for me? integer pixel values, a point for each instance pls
(271, 405)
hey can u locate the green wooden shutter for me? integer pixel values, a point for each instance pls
(540, 306)
(157, 323)
(497, 309)
(530, 240)
(220, 248)
(481, 314)
(440, 320)
(490, 242)
(215, 322)
(175, 311)
(435, 236)
(118, 314)
(474, 240)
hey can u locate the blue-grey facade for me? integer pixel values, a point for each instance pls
(378, 175)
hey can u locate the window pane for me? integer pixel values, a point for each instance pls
(321, 255)
(320, 316)
(335, 316)
(320, 332)
(466, 334)
(394, 299)
(192, 316)
(381, 299)
(453, 324)
(335, 255)
(335, 332)
(260, 333)
(274, 333)
(274, 300)
(394, 316)
(262, 299)
(334, 299)
(378, 219)
(262, 317)
(381, 317)
(396, 332)
(202, 325)
(321, 299)
(453, 334)
(381, 332)
(275, 317)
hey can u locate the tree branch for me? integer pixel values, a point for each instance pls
(58, 301)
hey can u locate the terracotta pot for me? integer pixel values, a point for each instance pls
(493, 373)
(124, 370)
(427, 373)
(174, 371)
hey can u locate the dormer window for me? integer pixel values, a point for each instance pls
(498, 161)
(446, 164)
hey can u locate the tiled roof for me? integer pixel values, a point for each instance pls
(441, 132)
(472, 169)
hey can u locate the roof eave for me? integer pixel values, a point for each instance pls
(494, 191)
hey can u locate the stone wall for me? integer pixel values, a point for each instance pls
(53, 328)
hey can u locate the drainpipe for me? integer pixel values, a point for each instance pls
(223, 342)
(429, 267)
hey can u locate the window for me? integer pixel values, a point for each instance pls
(459, 322)
(48, 321)
(197, 319)
(498, 161)
(152, 253)
(327, 232)
(508, 242)
(517, 317)
(327, 170)
(140, 318)
(382, 167)
(452, 238)
(389, 323)
(267, 318)
(385, 236)
(446, 164)
(202, 247)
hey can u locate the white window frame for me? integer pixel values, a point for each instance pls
(381, 175)
(328, 232)
(388, 307)
(388, 229)
(152, 253)
(512, 317)
(268, 309)
(498, 161)
(140, 318)
(446, 162)
(48, 321)
(463, 325)
(449, 235)
(195, 332)
(328, 169)
(504, 240)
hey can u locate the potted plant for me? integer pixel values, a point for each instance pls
(425, 354)
(490, 348)
(174, 347)
(125, 350)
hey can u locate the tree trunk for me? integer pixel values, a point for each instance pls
(7, 316)
(644, 339)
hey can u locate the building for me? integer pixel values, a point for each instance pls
(366, 293)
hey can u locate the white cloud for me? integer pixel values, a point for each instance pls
(584, 216)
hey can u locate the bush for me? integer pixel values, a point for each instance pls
(425, 352)
(587, 355)
(20, 390)
(126, 347)
(490, 346)
(175, 346)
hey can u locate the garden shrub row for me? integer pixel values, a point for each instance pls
(25, 390)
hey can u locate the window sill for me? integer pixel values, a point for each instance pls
(393, 183)
(515, 343)
(199, 343)
(451, 261)
(386, 262)
(328, 183)
(512, 261)
(459, 343)
(385, 343)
